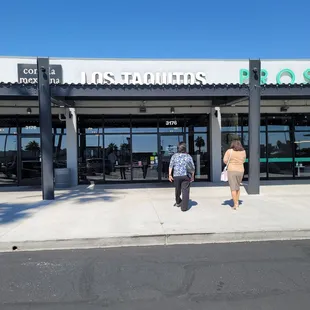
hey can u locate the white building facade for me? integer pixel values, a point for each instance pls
(129, 136)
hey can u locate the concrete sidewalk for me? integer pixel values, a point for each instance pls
(124, 215)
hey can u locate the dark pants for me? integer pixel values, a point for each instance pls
(123, 172)
(144, 169)
(182, 186)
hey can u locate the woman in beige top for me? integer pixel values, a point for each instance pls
(235, 158)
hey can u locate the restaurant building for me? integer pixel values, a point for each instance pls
(121, 120)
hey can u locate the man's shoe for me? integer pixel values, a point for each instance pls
(177, 205)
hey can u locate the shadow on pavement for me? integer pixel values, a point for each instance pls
(15, 211)
(230, 203)
(192, 204)
(12, 212)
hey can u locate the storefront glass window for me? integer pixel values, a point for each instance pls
(196, 123)
(60, 151)
(91, 158)
(8, 159)
(263, 154)
(302, 154)
(59, 130)
(245, 123)
(280, 155)
(201, 156)
(8, 125)
(302, 122)
(29, 125)
(227, 138)
(142, 124)
(90, 124)
(116, 124)
(279, 122)
(31, 160)
(145, 157)
(231, 122)
(168, 146)
(59, 127)
(171, 124)
(117, 157)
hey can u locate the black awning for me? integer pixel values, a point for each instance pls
(122, 92)
(18, 91)
(290, 91)
(118, 91)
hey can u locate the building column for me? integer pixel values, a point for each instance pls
(254, 127)
(215, 145)
(46, 129)
(72, 145)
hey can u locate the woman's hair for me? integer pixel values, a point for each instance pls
(182, 147)
(236, 146)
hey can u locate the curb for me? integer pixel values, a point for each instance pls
(153, 240)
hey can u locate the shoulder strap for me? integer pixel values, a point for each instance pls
(229, 157)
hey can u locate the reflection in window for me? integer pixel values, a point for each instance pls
(8, 159)
(91, 157)
(90, 124)
(8, 125)
(200, 155)
(60, 151)
(117, 124)
(59, 127)
(231, 122)
(144, 124)
(31, 164)
(117, 157)
(29, 125)
(279, 122)
(302, 154)
(280, 154)
(245, 123)
(302, 122)
(196, 123)
(263, 154)
(144, 157)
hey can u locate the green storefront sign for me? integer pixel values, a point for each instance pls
(244, 76)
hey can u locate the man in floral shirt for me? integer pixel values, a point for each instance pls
(183, 168)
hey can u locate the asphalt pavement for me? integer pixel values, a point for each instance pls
(269, 275)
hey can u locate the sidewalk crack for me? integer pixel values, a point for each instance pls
(159, 219)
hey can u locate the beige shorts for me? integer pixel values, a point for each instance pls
(234, 179)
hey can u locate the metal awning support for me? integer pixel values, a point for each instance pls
(47, 173)
(254, 127)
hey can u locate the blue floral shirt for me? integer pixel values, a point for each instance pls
(182, 164)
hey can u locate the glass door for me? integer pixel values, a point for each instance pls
(168, 147)
(30, 160)
(144, 157)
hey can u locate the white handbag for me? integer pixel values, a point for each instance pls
(224, 174)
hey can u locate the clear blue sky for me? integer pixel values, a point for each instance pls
(156, 29)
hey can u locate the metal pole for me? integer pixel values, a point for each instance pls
(254, 127)
(47, 174)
